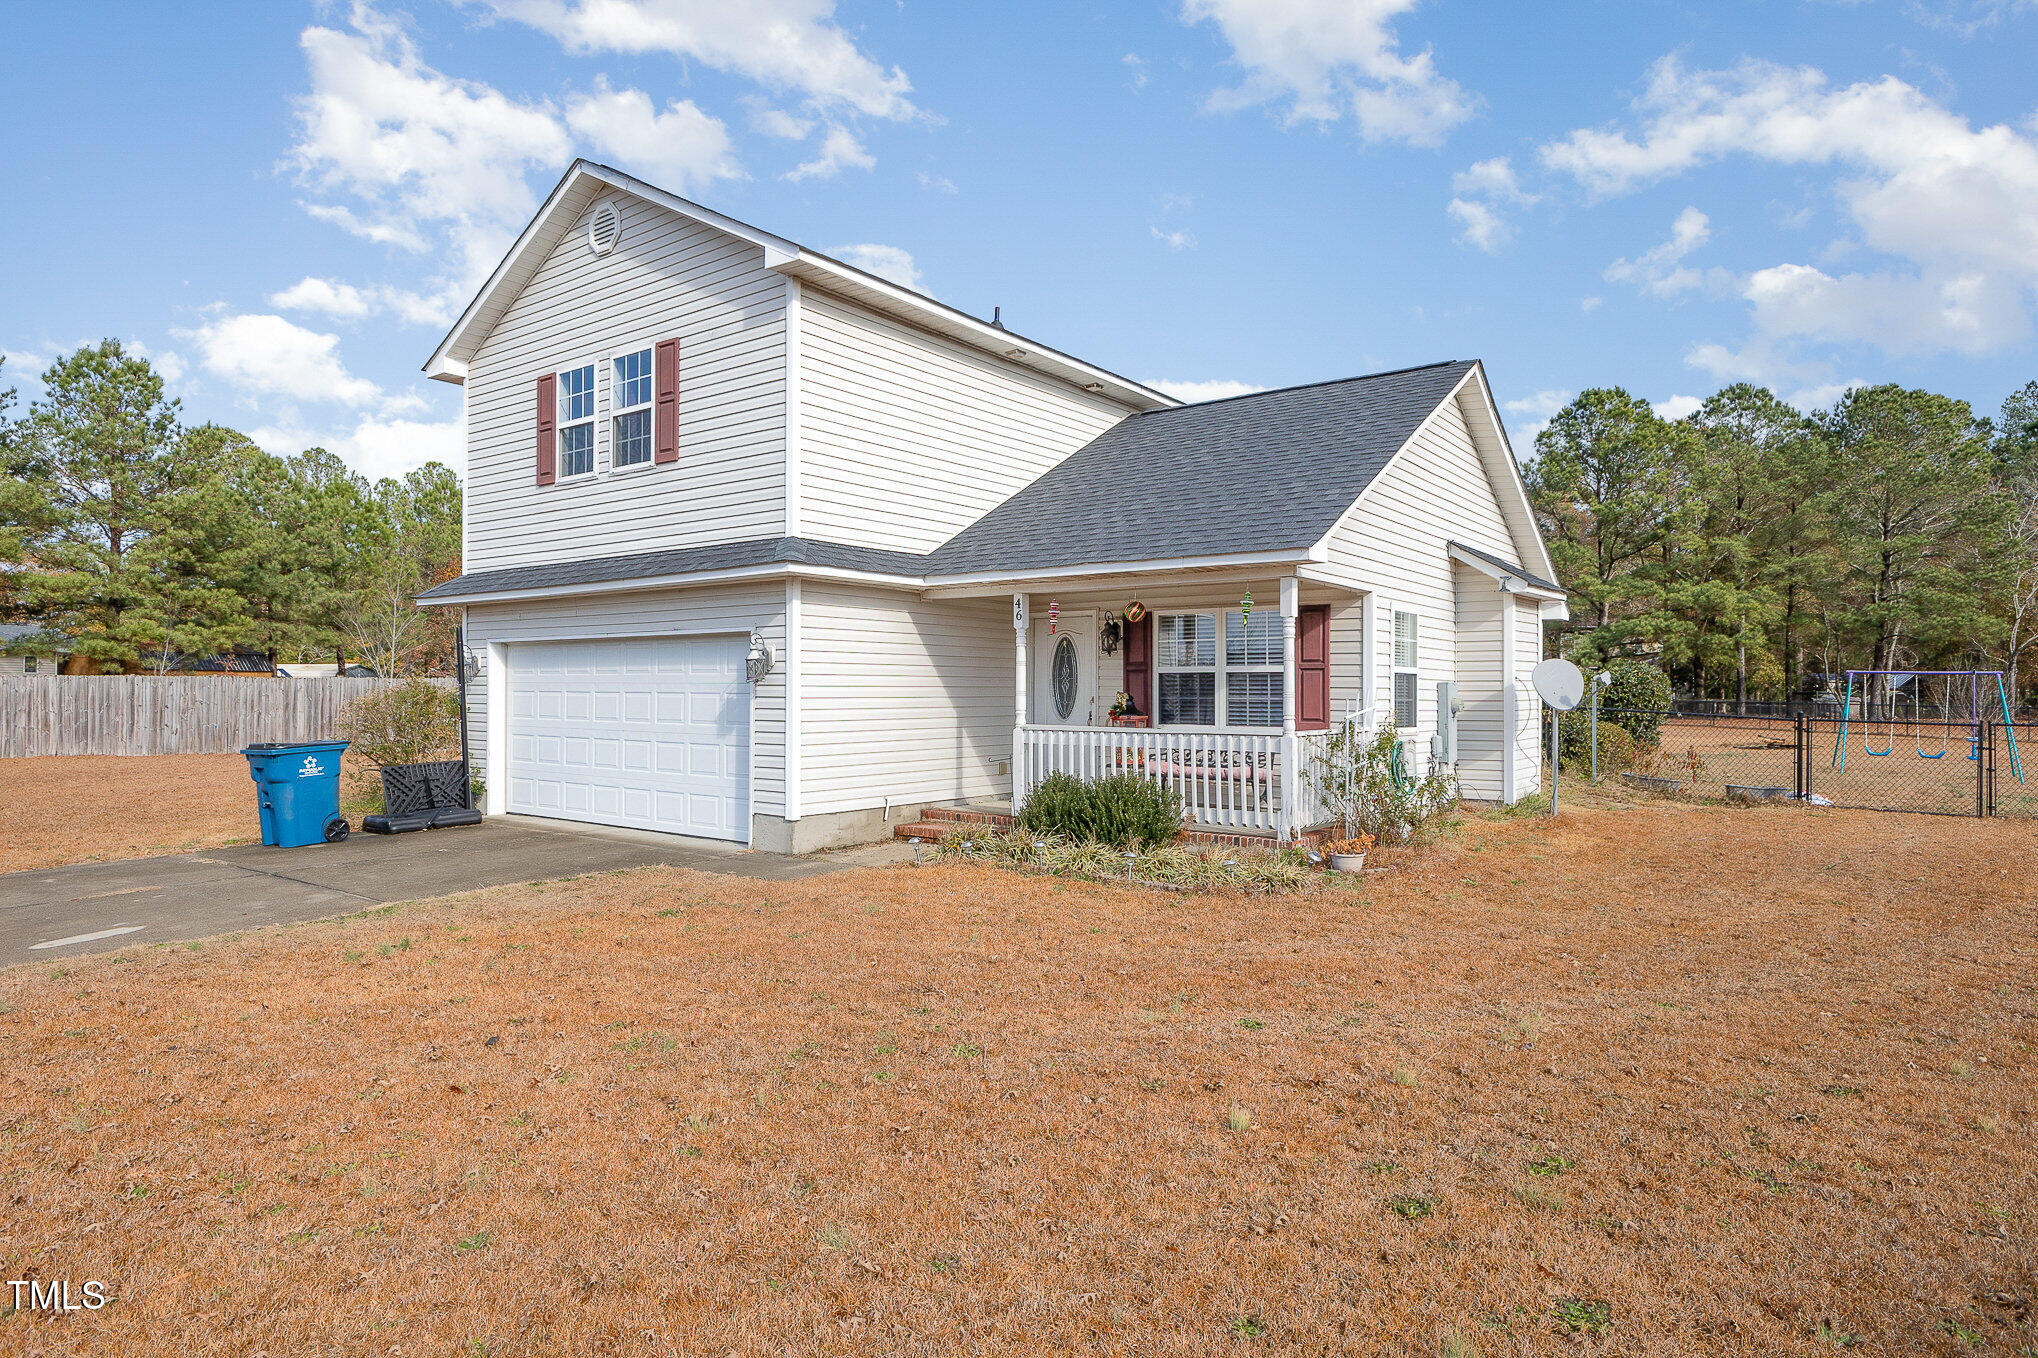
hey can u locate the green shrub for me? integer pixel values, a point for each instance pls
(1616, 746)
(1122, 812)
(1369, 787)
(408, 723)
(1641, 695)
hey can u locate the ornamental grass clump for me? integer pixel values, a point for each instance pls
(1172, 865)
(1123, 812)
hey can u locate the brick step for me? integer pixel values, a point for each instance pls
(1001, 819)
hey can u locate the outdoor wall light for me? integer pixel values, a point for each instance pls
(758, 663)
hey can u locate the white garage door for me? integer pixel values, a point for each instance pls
(652, 733)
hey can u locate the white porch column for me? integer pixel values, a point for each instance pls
(1021, 622)
(1291, 747)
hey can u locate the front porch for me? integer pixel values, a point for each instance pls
(1218, 685)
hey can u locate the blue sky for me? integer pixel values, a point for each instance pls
(285, 204)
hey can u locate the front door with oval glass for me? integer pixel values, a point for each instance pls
(1064, 680)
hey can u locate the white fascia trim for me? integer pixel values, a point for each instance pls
(443, 369)
(542, 233)
(774, 570)
(1521, 586)
(1543, 566)
(1179, 563)
(997, 341)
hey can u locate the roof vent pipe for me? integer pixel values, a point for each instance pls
(998, 317)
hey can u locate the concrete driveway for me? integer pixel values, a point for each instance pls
(94, 907)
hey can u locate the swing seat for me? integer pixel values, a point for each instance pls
(1879, 754)
(1923, 755)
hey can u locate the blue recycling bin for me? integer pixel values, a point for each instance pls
(298, 790)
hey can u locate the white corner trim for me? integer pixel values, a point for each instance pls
(495, 768)
(794, 651)
(795, 322)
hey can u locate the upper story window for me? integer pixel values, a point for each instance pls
(576, 422)
(632, 404)
(1199, 683)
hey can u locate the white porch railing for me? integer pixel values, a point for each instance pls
(1228, 780)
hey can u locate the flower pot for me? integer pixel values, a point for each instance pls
(1347, 862)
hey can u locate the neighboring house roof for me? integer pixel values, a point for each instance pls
(585, 181)
(238, 662)
(682, 561)
(25, 635)
(1498, 566)
(1255, 473)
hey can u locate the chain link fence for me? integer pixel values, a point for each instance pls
(1957, 768)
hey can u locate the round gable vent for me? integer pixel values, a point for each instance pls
(604, 229)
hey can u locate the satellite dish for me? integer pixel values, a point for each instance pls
(1559, 683)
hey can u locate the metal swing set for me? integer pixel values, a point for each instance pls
(1977, 686)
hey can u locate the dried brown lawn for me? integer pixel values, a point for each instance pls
(80, 808)
(1730, 1075)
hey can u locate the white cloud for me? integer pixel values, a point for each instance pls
(1536, 411)
(1491, 179)
(886, 261)
(1809, 399)
(1590, 303)
(777, 122)
(1480, 189)
(682, 149)
(342, 300)
(1660, 271)
(1216, 389)
(269, 356)
(792, 45)
(346, 302)
(840, 150)
(374, 447)
(1677, 407)
(940, 183)
(1952, 209)
(1540, 406)
(414, 146)
(1327, 60)
(1174, 240)
(1479, 224)
(1136, 64)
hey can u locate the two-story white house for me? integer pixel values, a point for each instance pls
(764, 548)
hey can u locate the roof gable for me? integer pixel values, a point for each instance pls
(1265, 472)
(585, 181)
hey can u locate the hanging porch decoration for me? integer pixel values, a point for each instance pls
(1135, 610)
(1053, 615)
(1245, 606)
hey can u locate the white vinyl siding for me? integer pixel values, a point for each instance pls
(902, 697)
(1395, 543)
(669, 277)
(1482, 681)
(652, 613)
(906, 439)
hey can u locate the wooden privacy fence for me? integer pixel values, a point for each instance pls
(55, 714)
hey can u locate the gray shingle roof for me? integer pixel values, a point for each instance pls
(680, 561)
(1256, 473)
(1262, 473)
(1503, 564)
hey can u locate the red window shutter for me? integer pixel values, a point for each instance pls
(548, 435)
(665, 423)
(1312, 669)
(1139, 665)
